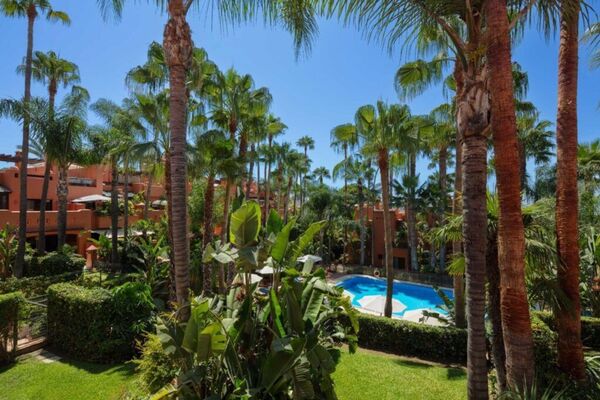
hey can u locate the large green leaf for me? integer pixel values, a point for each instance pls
(281, 242)
(311, 312)
(298, 245)
(245, 225)
(194, 325)
(274, 222)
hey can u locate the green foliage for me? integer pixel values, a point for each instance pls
(10, 307)
(245, 224)
(96, 324)
(436, 343)
(590, 328)
(8, 251)
(56, 262)
(35, 285)
(278, 346)
(154, 367)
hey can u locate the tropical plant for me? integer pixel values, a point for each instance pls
(320, 174)
(305, 142)
(29, 9)
(54, 71)
(8, 250)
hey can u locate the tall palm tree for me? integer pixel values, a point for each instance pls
(29, 9)
(274, 128)
(212, 155)
(516, 323)
(379, 128)
(570, 348)
(54, 71)
(307, 143)
(64, 131)
(320, 174)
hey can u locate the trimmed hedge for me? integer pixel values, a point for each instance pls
(590, 328)
(98, 325)
(435, 343)
(10, 307)
(54, 263)
(35, 285)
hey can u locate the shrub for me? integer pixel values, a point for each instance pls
(436, 343)
(10, 306)
(96, 324)
(35, 285)
(54, 263)
(590, 328)
(155, 367)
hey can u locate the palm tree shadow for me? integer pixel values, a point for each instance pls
(455, 373)
(412, 364)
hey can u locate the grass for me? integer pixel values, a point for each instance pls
(364, 375)
(31, 379)
(369, 375)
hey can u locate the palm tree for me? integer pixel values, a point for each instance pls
(535, 141)
(64, 131)
(570, 348)
(379, 128)
(511, 238)
(274, 128)
(29, 9)
(212, 155)
(52, 70)
(306, 142)
(321, 173)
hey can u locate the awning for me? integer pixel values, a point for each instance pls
(4, 189)
(92, 198)
(159, 203)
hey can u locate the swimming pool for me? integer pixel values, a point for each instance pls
(411, 296)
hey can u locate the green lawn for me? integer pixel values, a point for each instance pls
(368, 375)
(364, 375)
(62, 380)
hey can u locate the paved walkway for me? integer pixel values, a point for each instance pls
(45, 356)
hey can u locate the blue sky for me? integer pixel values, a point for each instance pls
(311, 95)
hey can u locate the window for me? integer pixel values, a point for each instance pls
(36, 204)
(3, 201)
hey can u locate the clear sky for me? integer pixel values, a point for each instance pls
(311, 95)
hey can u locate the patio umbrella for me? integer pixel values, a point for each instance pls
(376, 304)
(266, 270)
(314, 259)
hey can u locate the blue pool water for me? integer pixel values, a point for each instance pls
(413, 296)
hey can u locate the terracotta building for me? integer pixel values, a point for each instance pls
(86, 185)
(377, 245)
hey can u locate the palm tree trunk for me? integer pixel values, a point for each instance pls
(268, 181)
(387, 226)
(457, 209)
(114, 216)
(361, 216)
(250, 172)
(443, 164)
(209, 196)
(20, 258)
(516, 324)
(41, 241)
(287, 199)
(412, 217)
(570, 351)
(177, 42)
(126, 200)
(475, 233)
(62, 192)
(147, 197)
(522, 164)
(226, 206)
(493, 278)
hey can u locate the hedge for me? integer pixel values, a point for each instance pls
(98, 325)
(35, 285)
(10, 306)
(590, 328)
(54, 263)
(435, 343)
